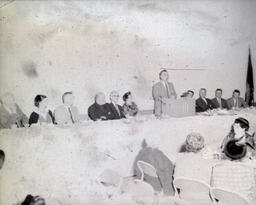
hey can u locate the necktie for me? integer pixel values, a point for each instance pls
(117, 109)
(236, 104)
(167, 89)
(71, 115)
(219, 101)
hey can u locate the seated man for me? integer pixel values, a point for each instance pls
(218, 101)
(98, 110)
(67, 113)
(11, 114)
(2, 158)
(116, 111)
(202, 103)
(236, 101)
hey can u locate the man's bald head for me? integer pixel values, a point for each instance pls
(100, 98)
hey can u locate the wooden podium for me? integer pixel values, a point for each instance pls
(179, 108)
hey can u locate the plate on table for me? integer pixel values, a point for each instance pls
(206, 114)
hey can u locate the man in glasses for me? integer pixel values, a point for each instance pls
(114, 109)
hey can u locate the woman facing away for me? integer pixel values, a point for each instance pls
(130, 108)
(238, 143)
(41, 114)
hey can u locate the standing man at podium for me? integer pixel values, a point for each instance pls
(161, 91)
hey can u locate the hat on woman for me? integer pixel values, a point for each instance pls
(235, 151)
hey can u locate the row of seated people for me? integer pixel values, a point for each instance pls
(164, 90)
(11, 114)
(203, 103)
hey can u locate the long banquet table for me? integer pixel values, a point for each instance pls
(63, 163)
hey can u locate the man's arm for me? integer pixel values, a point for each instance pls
(225, 104)
(155, 92)
(229, 105)
(92, 114)
(243, 103)
(211, 104)
(198, 106)
(173, 92)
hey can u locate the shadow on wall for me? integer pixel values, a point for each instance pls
(30, 69)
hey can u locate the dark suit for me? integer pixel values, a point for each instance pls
(35, 117)
(216, 104)
(202, 106)
(113, 113)
(98, 112)
(240, 103)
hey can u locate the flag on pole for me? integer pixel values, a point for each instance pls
(249, 94)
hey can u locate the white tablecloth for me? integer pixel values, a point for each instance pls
(64, 163)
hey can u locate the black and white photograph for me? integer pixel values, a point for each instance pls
(127, 102)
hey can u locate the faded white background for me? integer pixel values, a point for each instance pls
(49, 47)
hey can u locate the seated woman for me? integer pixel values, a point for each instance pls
(11, 114)
(193, 164)
(238, 143)
(130, 108)
(41, 114)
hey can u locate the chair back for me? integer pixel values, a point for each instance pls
(227, 197)
(194, 191)
(146, 168)
(234, 177)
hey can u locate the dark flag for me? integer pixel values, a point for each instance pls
(249, 94)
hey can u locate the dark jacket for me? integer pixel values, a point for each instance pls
(201, 106)
(113, 114)
(34, 118)
(98, 112)
(216, 103)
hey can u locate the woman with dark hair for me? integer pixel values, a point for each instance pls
(130, 108)
(41, 114)
(33, 200)
(238, 142)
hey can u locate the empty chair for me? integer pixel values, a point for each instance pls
(226, 197)
(194, 191)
